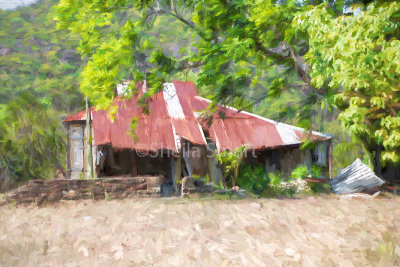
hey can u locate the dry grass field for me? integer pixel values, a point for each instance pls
(313, 231)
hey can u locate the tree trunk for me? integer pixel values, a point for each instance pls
(377, 161)
(89, 152)
(134, 171)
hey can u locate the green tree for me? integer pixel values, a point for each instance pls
(231, 162)
(233, 45)
(39, 67)
(27, 147)
(240, 51)
(36, 57)
(357, 59)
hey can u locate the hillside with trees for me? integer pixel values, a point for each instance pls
(268, 57)
(39, 69)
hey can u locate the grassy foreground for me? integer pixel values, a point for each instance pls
(321, 231)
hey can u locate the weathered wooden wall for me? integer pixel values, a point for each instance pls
(286, 159)
(202, 161)
(196, 157)
(290, 158)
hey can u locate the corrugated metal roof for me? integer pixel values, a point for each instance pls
(174, 115)
(153, 132)
(80, 116)
(244, 128)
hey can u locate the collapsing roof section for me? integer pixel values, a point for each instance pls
(174, 114)
(244, 128)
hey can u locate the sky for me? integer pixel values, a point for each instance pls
(13, 4)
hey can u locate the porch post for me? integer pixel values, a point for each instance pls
(178, 171)
(330, 158)
(89, 153)
(134, 171)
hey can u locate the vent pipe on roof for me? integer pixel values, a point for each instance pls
(121, 87)
(144, 86)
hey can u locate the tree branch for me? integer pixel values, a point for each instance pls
(268, 52)
(298, 67)
(189, 65)
(174, 14)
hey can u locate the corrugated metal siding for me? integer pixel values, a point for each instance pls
(76, 147)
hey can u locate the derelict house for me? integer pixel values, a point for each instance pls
(172, 137)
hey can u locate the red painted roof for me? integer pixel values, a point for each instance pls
(174, 114)
(80, 116)
(244, 128)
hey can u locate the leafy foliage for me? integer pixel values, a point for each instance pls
(253, 179)
(278, 186)
(38, 79)
(246, 53)
(300, 172)
(256, 181)
(27, 148)
(233, 45)
(356, 57)
(316, 171)
(275, 178)
(231, 162)
(36, 57)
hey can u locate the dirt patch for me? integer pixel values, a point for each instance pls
(321, 231)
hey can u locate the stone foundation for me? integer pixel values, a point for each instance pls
(43, 191)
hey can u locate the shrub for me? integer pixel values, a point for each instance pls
(231, 162)
(256, 181)
(300, 172)
(32, 139)
(291, 187)
(253, 179)
(316, 171)
(275, 178)
(278, 186)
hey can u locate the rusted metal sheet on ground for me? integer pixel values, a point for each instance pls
(356, 178)
(174, 114)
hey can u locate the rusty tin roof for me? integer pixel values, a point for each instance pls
(174, 114)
